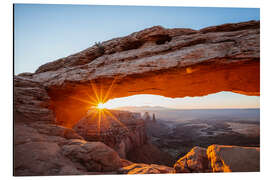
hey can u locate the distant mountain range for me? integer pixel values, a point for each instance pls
(160, 108)
(169, 114)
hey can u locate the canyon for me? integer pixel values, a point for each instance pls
(53, 134)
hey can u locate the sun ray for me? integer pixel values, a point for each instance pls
(93, 115)
(115, 118)
(98, 100)
(109, 90)
(94, 88)
(83, 100)
(99, 119)
(79, 99)
(105, 120)
(91, 97)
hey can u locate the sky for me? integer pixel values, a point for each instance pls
(44, 33)
(221, 100)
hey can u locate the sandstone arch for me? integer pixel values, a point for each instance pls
(168, 62)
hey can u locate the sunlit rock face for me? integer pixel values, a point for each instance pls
(169, 62)
(194, 161)
(220, 158)
(234, 158)
(140, 168)
(121, 130)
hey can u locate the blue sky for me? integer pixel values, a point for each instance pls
(44, 33)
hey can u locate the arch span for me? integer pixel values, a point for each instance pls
(168, 62)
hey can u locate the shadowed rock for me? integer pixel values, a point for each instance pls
(94, 156)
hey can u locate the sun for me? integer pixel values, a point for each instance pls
(100, 106)
(99, 102)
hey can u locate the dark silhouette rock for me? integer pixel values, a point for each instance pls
(154, 118)
(146, 117)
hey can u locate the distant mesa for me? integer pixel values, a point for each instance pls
(146, 116)
(154, 118)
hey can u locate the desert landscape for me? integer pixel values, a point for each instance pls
(178, 136)
(62, 126)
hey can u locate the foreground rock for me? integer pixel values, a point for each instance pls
(220, 158)
(234, 158)
(37, 153)
(194, 161)
(94, 156)
(145, 169)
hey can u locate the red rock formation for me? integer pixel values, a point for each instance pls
(122, 130)
(145, 169)
(168, 62)
(93, 156)
(220, 158)
(234, 158)
(194, 161)
(31, 101)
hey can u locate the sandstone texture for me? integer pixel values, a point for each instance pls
(31, 101)
(38, 153)
(94, 156)
(145, 169)
(234, 158)
(220, 158)
(194, 161)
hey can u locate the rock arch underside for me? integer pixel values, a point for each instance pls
(169, 62)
